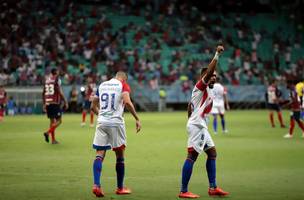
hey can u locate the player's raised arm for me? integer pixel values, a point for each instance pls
(212, 64)
(129, 105)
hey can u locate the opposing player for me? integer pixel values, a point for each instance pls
(273, 95)
(111, 98)
(300, 91)
(88, 95)
(3, 100)
(220, 101)
(295, 107)
(199, 139)
(52, 96)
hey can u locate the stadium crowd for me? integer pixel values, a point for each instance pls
(156, 43)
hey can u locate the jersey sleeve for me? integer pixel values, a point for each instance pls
(126, 88)
(201, 85)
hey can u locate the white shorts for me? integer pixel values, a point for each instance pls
(218, 110)
(199, 139)
(110, 137)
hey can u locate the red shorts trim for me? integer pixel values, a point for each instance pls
(122, 147)
(190, 149)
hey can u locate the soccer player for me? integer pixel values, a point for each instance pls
(3, 100)
(300, 91)
(295, 106)
(199, 139)
(220, 101)
(52, 96)
(88, 95)
(111, 98)
(273, 95)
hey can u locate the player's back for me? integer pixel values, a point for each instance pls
(51, 90)
(110, 102)
(201, 104)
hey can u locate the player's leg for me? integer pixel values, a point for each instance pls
(215, 123)
(97, 168)
(297, 116)
(91, 119)
(56, 123)
(271, 118)
(120, 172)
(118, 138)
(211, 172)
(186, 174)
(84, 114)
(101, 145)
(1, 112)
(291, 127)
(280, 117)
(195, 141)
(223, 123)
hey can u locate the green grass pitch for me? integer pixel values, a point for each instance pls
(254, 161)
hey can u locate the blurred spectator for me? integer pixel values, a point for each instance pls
(11, 106)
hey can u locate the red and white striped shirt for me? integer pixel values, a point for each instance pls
(201, 104)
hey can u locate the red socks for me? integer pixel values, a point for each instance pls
(281, 119)
(301, 125)
(291, 127)
(271, 119)
(83, 116)
(51, 131)
(92, 117)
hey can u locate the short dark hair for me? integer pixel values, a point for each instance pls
(54, 70)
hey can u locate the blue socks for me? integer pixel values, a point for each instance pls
(120, 172)
(186, 174)
(97, 166)
(215, 123)
(211, 171)
(223, 123)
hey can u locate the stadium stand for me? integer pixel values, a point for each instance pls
(156, 44)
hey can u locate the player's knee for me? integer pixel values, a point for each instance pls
(211, 153)
(222, 116)
(192, 156)
(120, 160)
(99, 157)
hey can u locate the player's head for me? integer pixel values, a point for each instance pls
(212, 79)
(54, 71)
(272, 82)
(89, 80)
(122, 76)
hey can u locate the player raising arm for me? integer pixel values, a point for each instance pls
(52, 96)
(199, 139)
(111, 98)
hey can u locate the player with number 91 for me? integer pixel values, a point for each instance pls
(111, 98)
